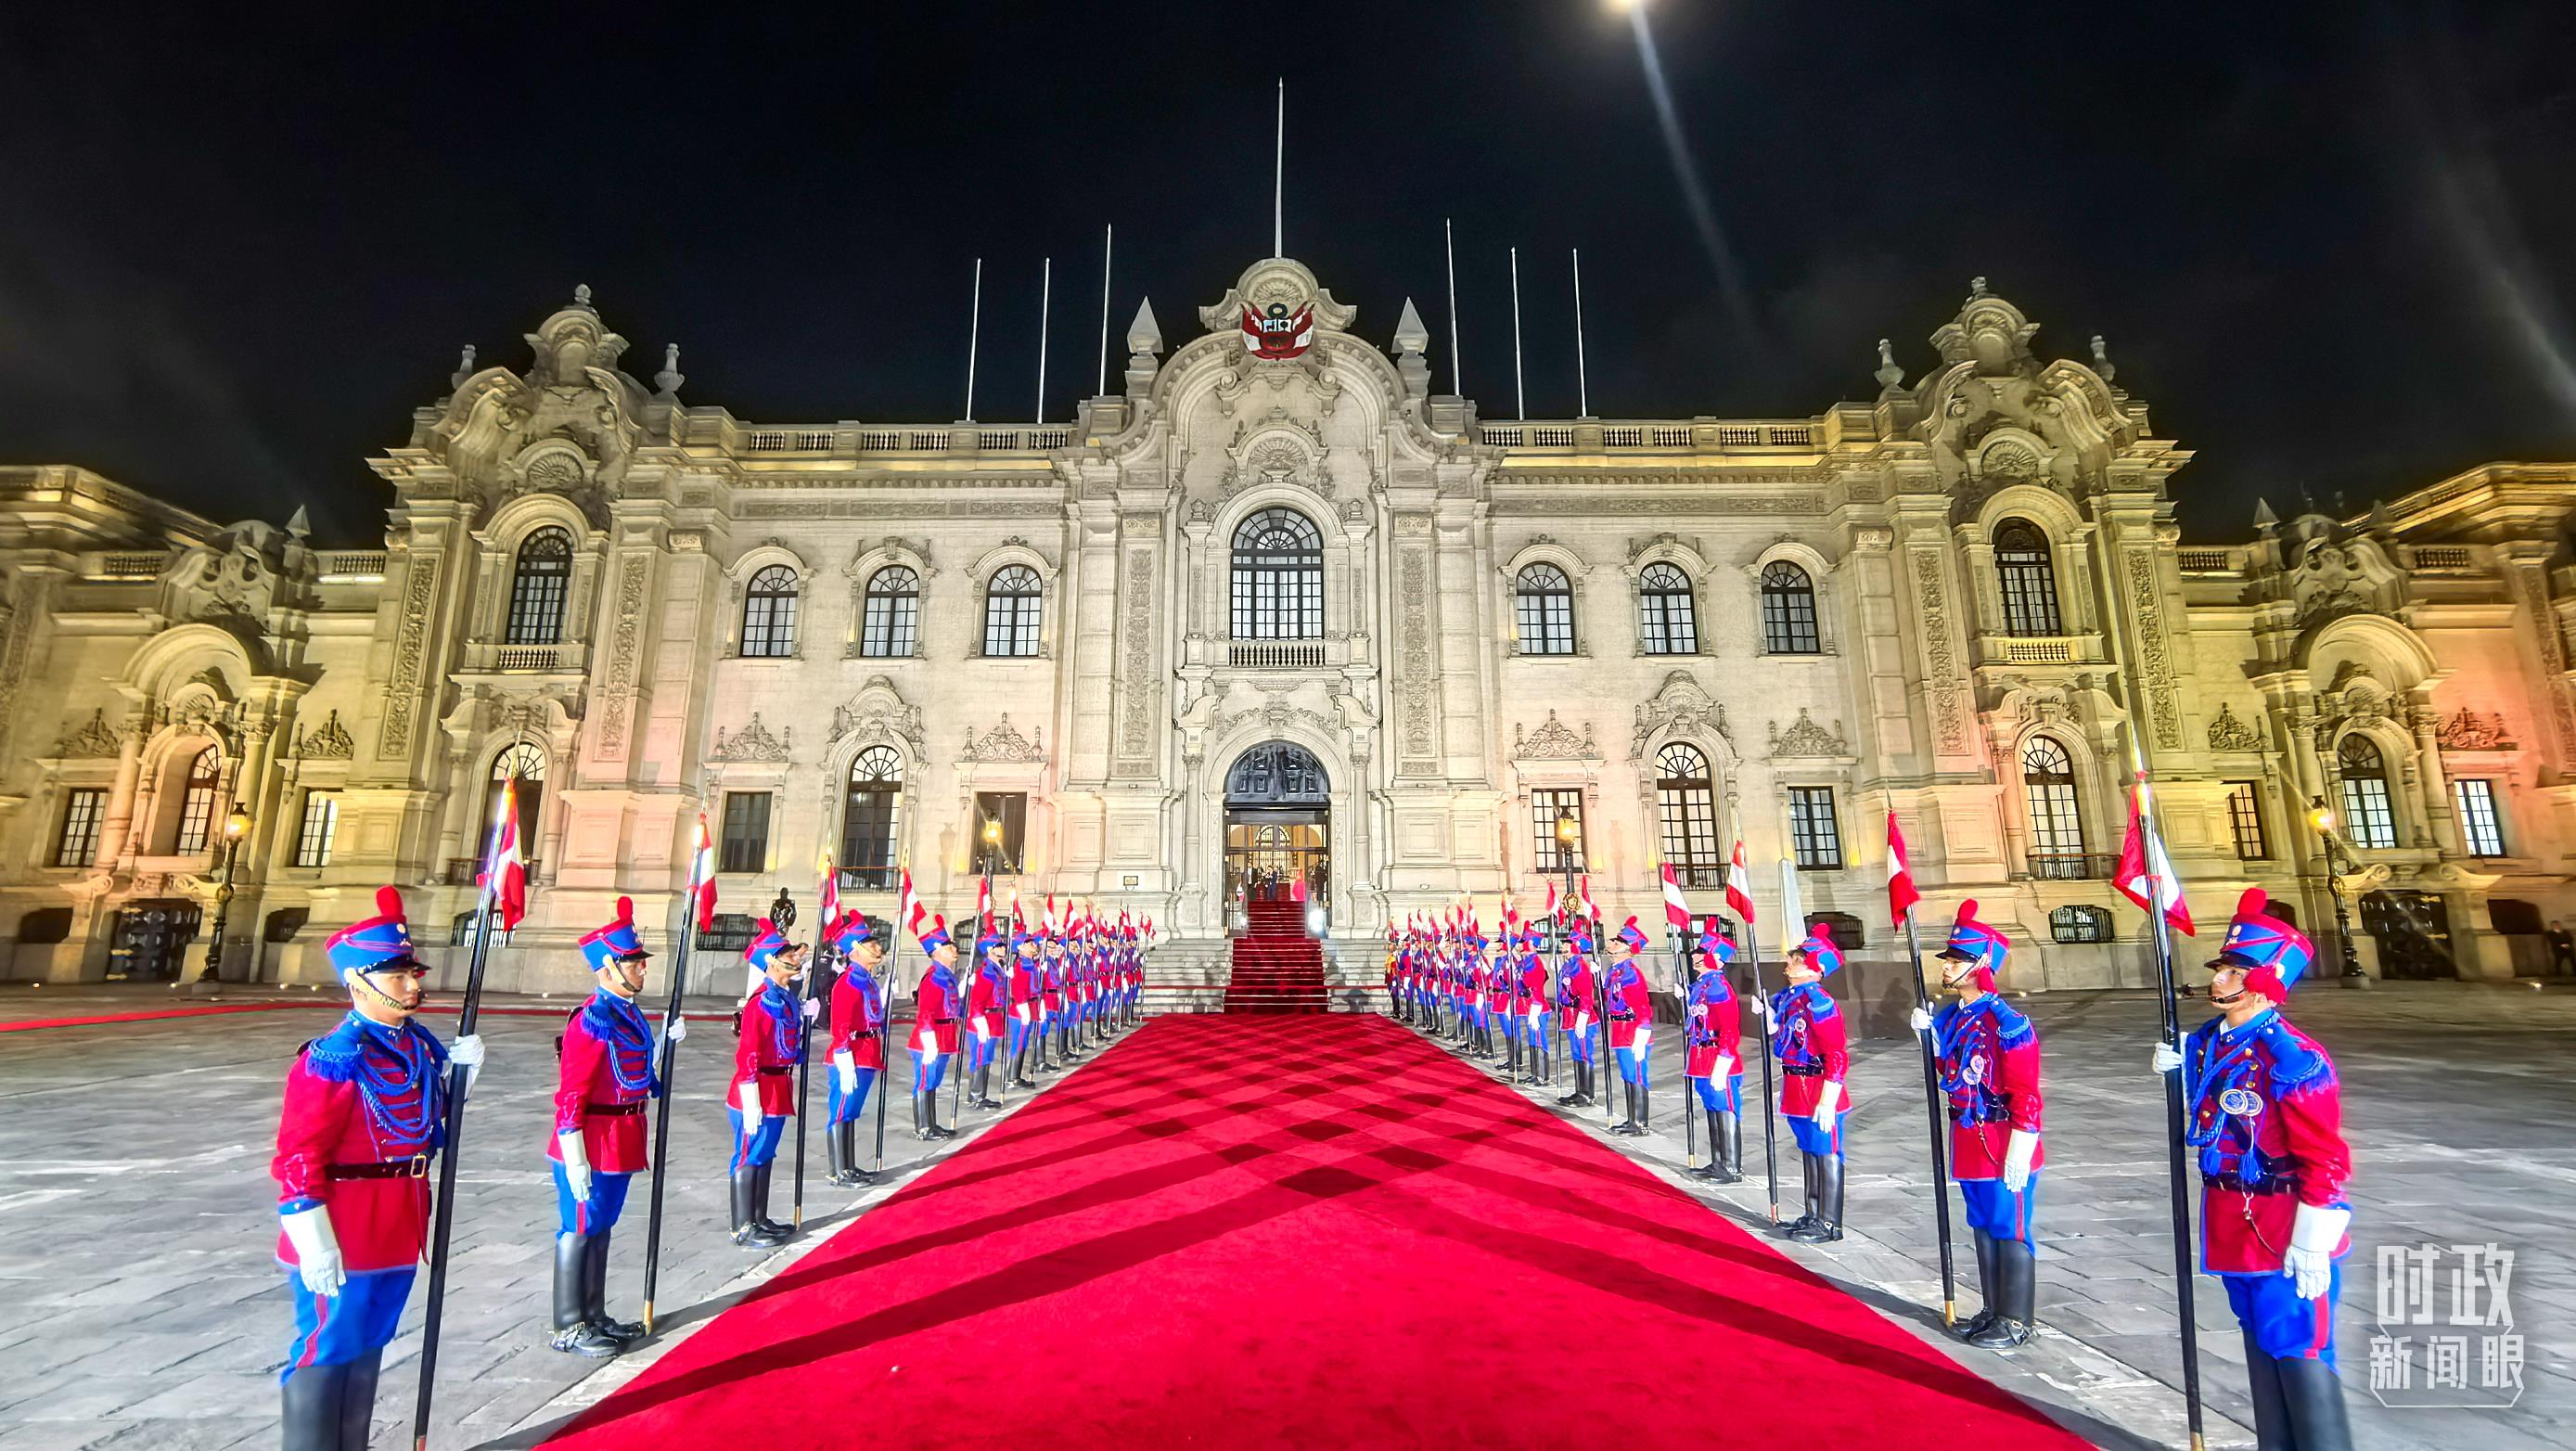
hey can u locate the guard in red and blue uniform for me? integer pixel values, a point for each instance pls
(605, 1074)
(771, 1042)
(1061, 967)
(1713, 1035)
(1628, 1008)
(987, 999)
(2265, 1112)
(856, 1045)
(1988, 1054)
(1059, 950)
(936, 1007)
(1810, 1044)
(364, 1118)
(1027, 1002)
(1499, 1017)
(1529, 1003)
(1578, 1010)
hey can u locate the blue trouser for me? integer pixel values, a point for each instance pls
(979, 1050)
(1017, 1032)
(1579, 1042)
(2282, 1325)
(1632, 1062)
(341, 1328)
(594, 1215)
(929, 1070)
(1534, 1029)
(754, 1145)
(1998, 1211)
(1731, 1100)
(1813, 1140)
(846, 1106)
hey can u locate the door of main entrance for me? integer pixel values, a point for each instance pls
(1278, 825)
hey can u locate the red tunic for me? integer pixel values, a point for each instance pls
(984, 995)
(602, 1082)
(363, 1094)
(2267, 1117)
(1808, 1040)
(935, 1010)
(858, 1013)
(771, 1044)
(1713, 1025)
(1055, 985)
(1630, 1008)
(1990, 1070)
(1028, 988)
(1531, 991)
(1576, 995)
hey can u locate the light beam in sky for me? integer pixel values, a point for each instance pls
(1685, 166)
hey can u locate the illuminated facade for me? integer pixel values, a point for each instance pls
(1260, 615)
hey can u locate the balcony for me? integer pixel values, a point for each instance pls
(1275, 654)
(491, 657)
(461, 871)
(2051, 866)
(2034, 649)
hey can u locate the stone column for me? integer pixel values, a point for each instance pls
(117, 827)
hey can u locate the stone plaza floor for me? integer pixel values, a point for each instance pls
(144, 1309)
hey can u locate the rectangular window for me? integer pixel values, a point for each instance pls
(746, 832)
(77, 845)
(313, 834)
(196, 821)
(1689, 813)
(2478, 820)
(2366, 817)
(1548, 855)
(1011, 810)
(2245, 814)
(891, 628)
(1818, 842)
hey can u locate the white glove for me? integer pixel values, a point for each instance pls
(845, 1071)
(468, 1051)
(1723, 1069)
(2018, 1151)
(813, 1009)
(576, 1163)
(1758, 1007)
(1921, 1019)
(747, 1098)
(1829, 1099)
(2168, 1058)
(2309, 1261)
(675, 1029)
(317, 1249)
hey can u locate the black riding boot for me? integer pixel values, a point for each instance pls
(850, 1147)
(1628, 1101)
(2272, 1431)
(1806, 1171)
(1729, 1133)
(1575, 1096)
(1829, 1205)
(574, 1334)
(1020, 1063)
(930, 1107)
(2016, 1276)
(837, 1145)
(747, 1229)
(2314, 1396)
(760, 1202)
(1993, 1307)
(979, 1083)
(311, 1401)
(594, 1295)
(358, 1399)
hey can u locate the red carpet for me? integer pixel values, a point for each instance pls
(1277, 967)
(1297, 1232)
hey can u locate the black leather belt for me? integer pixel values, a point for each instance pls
(612, 1110)
(768, 1072)
(2237, 1185)
(1803, 1070)
(415, 1167)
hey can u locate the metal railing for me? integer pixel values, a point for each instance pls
(1665, 437)
(1275, 654)
(461, 870)
(2050, 866)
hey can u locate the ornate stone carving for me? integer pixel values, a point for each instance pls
(877, 715)
(91, 741)
(2227, 733)
(1413, 586)
(1940, 662)
(2473, 731)
(402, 692)
(1004, 743)
(1553, 741)
(2155, 666)
(1678, 704)
(623, 648)
(328, 741)
(1274, 715)
(752, 743)
(1136, 736)
(1806, 738)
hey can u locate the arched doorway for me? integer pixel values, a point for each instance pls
(1278, 823)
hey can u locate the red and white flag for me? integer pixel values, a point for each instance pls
(829, 892)
(909, 906)
(1739, 887)
(1676, 911)
(1551, 901)
(1588, 909)
(1901, 895)
(702, 876)
(983, 906)
(2145, 874)
(505, 877)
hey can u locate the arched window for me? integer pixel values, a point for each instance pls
(1278, 578)
(769, 613)
(1545, 599)
(1788, 610)
(1665, 614)
(198, 794)
(2056, 822)
(2367, 818)
(868, 818)
(2029, 579)
(538, 586)
(1688, 807)
(523, 762)
(891, 623)
(1011, 611)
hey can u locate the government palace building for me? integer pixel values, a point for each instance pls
(1277, 610)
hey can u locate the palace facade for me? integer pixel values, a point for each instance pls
(1278, 608)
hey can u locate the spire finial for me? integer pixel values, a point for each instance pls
(670, 378)
(2102, 359)
(581, 294)
(464, 368)
(1890, 377)
(1977, 288)
(299, 524)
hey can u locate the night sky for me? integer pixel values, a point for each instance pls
(2328, 243)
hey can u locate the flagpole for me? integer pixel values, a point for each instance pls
(1108, 242)
(2175, 1115)
(457, 1075)
(1737, 869)
(662, 1109)
(1520, 396)
(1449, 248)
(1932, 1107)
(1582, 381)
(1279, 171)
(1046, 299)
(974, 333)
(804, 1067)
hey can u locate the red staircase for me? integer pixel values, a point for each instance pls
(1277, 967)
